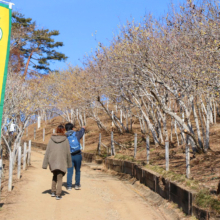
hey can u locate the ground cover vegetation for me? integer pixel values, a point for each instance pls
(158, 78)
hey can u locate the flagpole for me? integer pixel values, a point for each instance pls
(10, 3)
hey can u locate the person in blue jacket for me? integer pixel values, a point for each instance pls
(75, 149)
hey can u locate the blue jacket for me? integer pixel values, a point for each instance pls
(79, 135)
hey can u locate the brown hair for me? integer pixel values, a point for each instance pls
(60, 129)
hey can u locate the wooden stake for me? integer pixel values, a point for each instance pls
(19, 162)
(176, 132)
(148, 149)
(99, 145)
(187, 161)
(135, 145)
(34, 133)
(126, 118)
(38, 122)
(112, 144)
(214, 107)
(167, 154)
(10, 171)
(112, 118)
(29, 153)
(43, 134)
(171, 131)
(15, 153)
(24, 155)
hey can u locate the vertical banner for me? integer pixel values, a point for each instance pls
(5, 34)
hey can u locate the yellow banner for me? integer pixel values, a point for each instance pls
(4, 38)
(5, 34)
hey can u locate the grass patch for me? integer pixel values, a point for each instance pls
(124, 157)
(205, 200)
(192, 184)
(101, 156)
(203, 197)
(104, 155)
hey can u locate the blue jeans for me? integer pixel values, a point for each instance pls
(76, 161)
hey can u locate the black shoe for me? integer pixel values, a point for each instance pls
(58, 197)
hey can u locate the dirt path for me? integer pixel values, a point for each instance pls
(102, 196)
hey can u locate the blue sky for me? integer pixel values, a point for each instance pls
(78, 20)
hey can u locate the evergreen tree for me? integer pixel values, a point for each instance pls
(32, 49)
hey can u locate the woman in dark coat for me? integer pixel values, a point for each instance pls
(59, 159)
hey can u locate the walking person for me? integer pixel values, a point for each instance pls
(59, 159)
(75, 150)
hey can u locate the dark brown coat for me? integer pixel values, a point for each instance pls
(58, 154)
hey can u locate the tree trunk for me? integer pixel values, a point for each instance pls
(207, 126)
(27, 64)
(201, 122)
(109, 114)
(197, 126)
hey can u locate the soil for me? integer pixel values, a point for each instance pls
(102, 196)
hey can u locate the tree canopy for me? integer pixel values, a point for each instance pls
(33, 48)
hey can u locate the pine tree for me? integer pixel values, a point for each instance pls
(33, 48)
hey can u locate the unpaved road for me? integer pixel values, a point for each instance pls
(102, 196)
